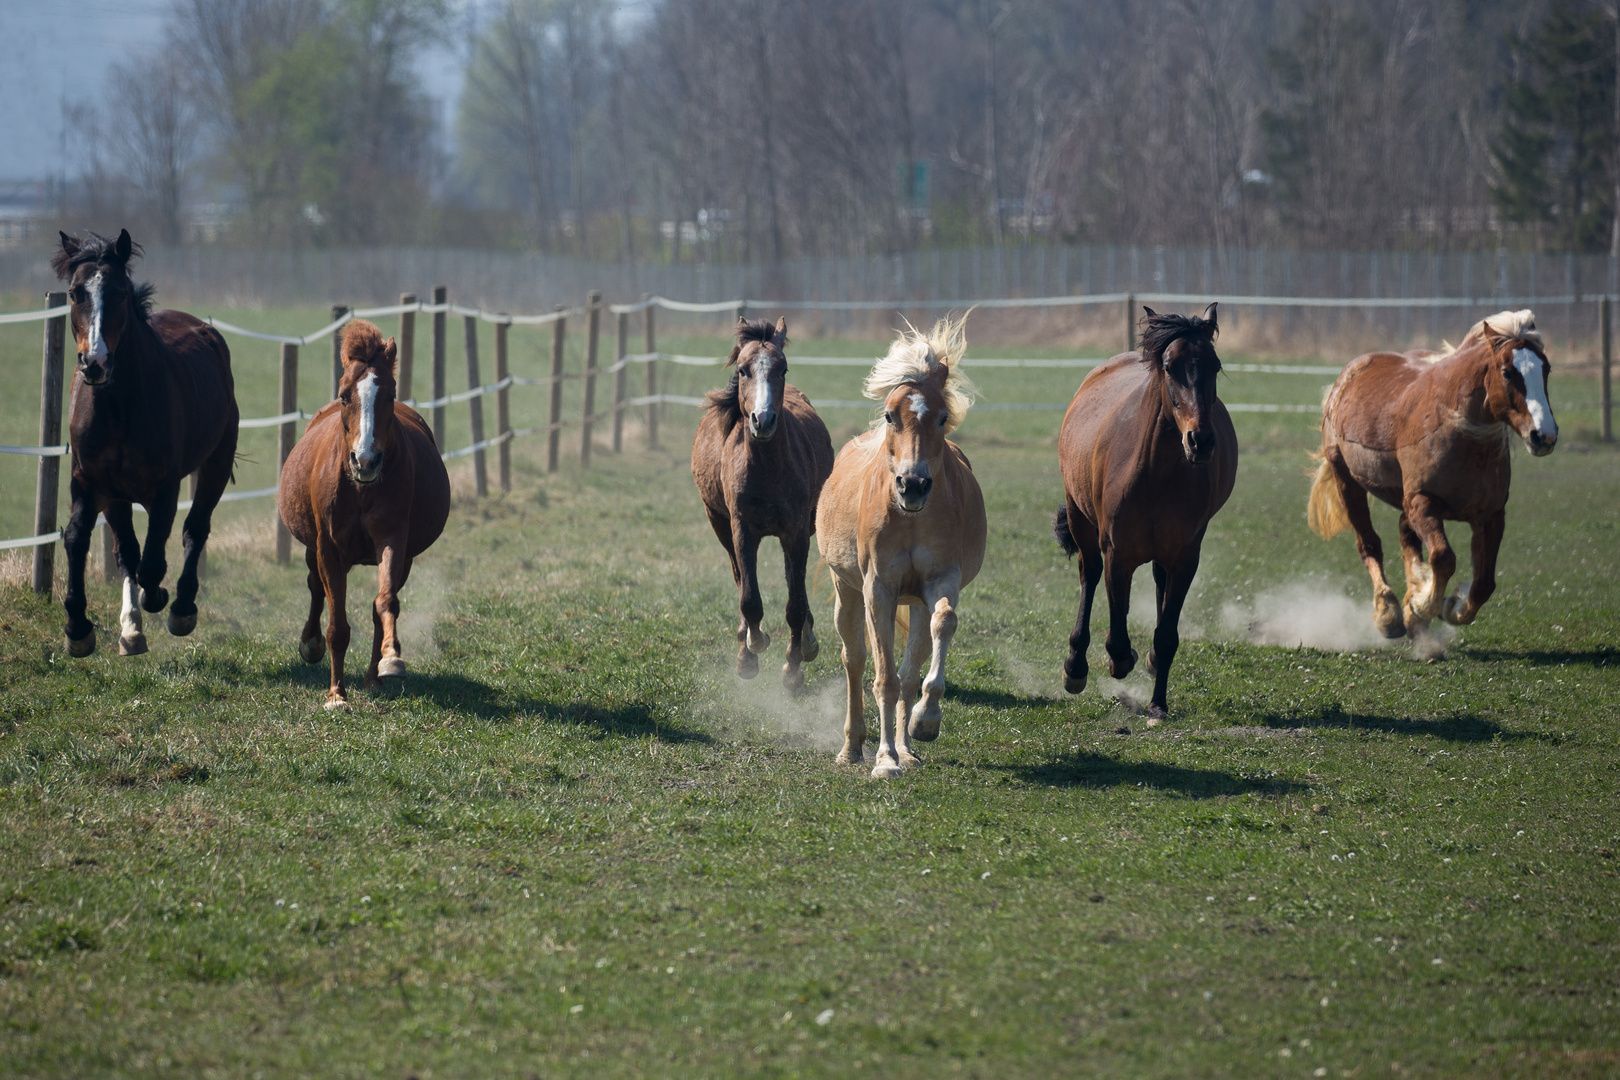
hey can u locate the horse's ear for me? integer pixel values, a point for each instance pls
(70, 246)
(123, 246)
(390, 354)
(62, 260)
(779, 339)
(1209, 318)
(1149, 312)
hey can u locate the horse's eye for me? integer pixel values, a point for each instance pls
(346, 399)
(746, 372)
(942, 419)
(888, 415)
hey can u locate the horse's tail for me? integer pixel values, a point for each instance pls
(1061, 533)
(1325, 513)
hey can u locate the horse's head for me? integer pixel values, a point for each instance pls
(1181, 350)
(761, 375)
(1516, 381)
(105, 303)
(366, 397)
(914, 424)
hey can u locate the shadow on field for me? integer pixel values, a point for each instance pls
(1464, 728)
(454, 691)
(1603, 656)
(1097, 771)
(995, 699)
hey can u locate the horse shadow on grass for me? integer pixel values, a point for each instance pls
(1602, 656)
(994, 699)
(1462, 728)
(455, 692)
(1088, 770)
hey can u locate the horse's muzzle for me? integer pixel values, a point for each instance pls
(912, 492)
(1541, 445)
(762, 425)
(365, 468)
(1198, 444)
(94, 371)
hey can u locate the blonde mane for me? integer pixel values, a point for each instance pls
(1508, 325)
(915, 356)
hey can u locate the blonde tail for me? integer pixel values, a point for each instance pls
(1326, 513)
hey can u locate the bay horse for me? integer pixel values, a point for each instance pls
(1429, 434)
(365, 486)
(760, 458)
(1148, 456)
(902, 522)
(153, 401)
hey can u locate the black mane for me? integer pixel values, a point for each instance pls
(725, 400)
(1161, 331)
(98, 249)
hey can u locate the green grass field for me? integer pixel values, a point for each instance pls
(578, 846)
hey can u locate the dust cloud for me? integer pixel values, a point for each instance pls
(1304, 613)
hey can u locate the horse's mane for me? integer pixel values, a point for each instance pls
(915, 356)
(724, 401)
(363, 344)
(95, 248)
(1504, 326)
(1162, 330)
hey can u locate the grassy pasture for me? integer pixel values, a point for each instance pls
(578, 846)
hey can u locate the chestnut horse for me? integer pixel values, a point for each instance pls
(902, 521)
(1148, 456)
(760, 476)
(365, 486)
(1428, 433)
(153, 402)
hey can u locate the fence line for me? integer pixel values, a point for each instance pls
(55, 318)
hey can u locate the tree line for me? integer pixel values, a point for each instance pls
(760, 130)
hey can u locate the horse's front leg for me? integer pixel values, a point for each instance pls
(1387, 615)
(1177, 579)
(925, 717)
(1117, 580)
(335, 579)
(751, 640)
(880, 610)
(1460, 610)
(387, 659)
(1423, 516)
(802, 646)
(849, 616)
(911, 665)
(154, 560)
(81, 633)
(121, 520)
(211, 480)
(311, 645)
(1075, 669)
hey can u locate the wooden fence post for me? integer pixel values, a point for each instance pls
(593, 335)
(285, 440)
(475, 404)
(109, 553)
(651, 328)
(503, 417)
(1605, 320)
(49, 474)
(559, 331)
(620, 379)
(407, 349)
(1130, 322)
(439, 297)
(338, 311)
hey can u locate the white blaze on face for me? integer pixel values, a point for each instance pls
(918, 405)
(1535, 393)
(763, 402)
(365, 439)
(95, 345)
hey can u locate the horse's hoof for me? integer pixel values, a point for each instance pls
(83, 646)
(335, 703)
(1152, 667)
(312, 649)
(1121, 668)
(758, 640)
(910, 761)
(747, 665)
(846, 758)
(181, 625)
(924, 727)
(391, 667)
(132, 644)
(886, 770)
(793, 677)
(1454, 611)
(1156, 715)
(809, 647)
(154, 600)
(1073, 685)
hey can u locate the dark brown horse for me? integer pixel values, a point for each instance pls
(1148, 456)
(759, 459)
(1428, 433)
(153, 401)
(365, 486)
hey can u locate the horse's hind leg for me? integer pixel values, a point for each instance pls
(154, 560)
(849, 615)
(335, 579)
(1422, 515)
(211, 480)
(1460, 610)
(802, 646)
(880, 612)
(926, 716)
(751, 640)
(387, 659)
(81, 633)
(1386, 610)
(131, 635)
(911, 664)
(1075, 669)
(311, 645)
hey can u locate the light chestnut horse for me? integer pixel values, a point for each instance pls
(365, 486)
(759, 460)
(1429, 434)
(901, 522)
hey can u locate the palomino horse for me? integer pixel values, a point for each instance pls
(364, 487)
(762, 478)
(1148, 457)
(153, 401)
(1428, 433)
(902, 521)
